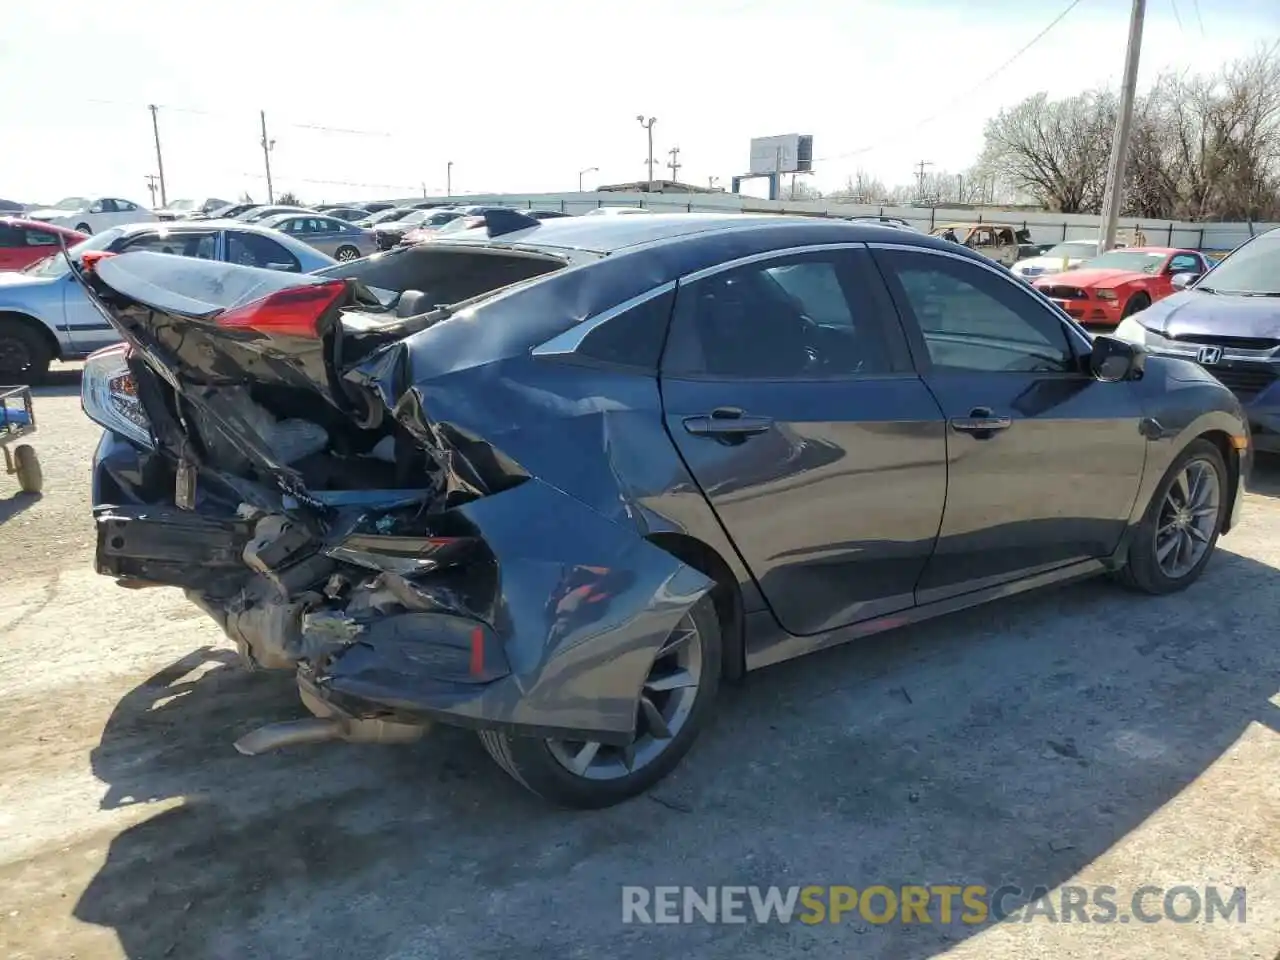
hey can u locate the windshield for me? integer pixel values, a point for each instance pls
(388, 215)
(1253, 268)
(56, 265)
(1074, 249)
(416, 217)
(181, 205)
(1130, 260)
(71, 203)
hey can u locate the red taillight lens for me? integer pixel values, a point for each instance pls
(91, 259)
(294, 312)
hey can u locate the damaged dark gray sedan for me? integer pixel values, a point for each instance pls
(555, 482)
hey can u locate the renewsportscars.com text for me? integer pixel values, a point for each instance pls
(937, 903)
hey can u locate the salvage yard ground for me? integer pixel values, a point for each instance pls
(1082, 735)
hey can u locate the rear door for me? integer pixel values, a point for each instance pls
(788, 390)
(13, 247)
(1044, 460)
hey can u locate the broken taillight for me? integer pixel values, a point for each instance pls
(90, 259)
(294, 312)
(109, 395)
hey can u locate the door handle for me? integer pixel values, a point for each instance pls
(981, 422)
(727, 422)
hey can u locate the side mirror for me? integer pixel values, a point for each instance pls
(1113, 360)
(1181, 281)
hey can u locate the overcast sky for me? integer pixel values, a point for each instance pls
(521, 95)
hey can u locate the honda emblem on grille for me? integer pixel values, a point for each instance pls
(1209, 354)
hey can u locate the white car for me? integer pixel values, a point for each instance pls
(93, 214)
(1064, 256)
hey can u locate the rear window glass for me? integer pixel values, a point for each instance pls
(445, 276)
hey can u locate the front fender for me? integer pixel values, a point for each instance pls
(1183, 402)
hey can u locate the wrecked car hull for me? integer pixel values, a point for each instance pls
(404, 647)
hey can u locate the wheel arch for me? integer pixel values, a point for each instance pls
(726, 595)
(42, 329)
(1231, 456)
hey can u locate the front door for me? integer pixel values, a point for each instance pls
(788, 390)
(1043, 460)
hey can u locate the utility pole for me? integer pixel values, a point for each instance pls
(648, 125)
(675, 163)
(424, 190)
(959, 188)
(585, 170)
(155, 129)
(267, 147)
(151, 186)
(920, 177)
(448, 179)
(1113, 199)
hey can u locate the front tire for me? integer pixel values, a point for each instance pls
(347, 254)
(1137, 303)
(1177, 536)
(85, 229)
(24, 354)
(675, 704)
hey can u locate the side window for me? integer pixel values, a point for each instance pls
(41, 238)
(330, 226)
(10, 236)
(296, 225)
(804, 316)
(634, 337)
(124, 206)
(109, 206)
(99, 206)
(202, 246)
(1185, 263)
(1004, 237)
(252, 250)
(972, 319)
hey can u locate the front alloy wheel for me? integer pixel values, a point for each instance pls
(1188, 519)
(1172, 545)
(675, 701)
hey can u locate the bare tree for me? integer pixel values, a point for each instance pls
(1203, 146)
(289, 199)
(799, 190)
(862, 187)
(1055, 150)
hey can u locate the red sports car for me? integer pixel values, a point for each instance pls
(24, 242)
(1103, 291)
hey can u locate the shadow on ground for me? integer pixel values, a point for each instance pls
(1011, 744)
(1266, 479)
(61, 381)
(13, 505)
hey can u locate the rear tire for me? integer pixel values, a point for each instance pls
(1170, 514)
(542, 765)
(24, 354)
(346, 254)
(85, 229)
(1137, 303)
(27, 467)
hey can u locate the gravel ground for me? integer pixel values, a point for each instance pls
(1077, 736)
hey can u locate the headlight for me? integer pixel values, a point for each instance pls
(1105, 294)
(109, 395)
(1130, 329)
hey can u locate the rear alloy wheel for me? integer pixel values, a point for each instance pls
(1137, 303)
(85, 229)
(347, 254)
(24, 355)
(1178, 534)
(675, 701)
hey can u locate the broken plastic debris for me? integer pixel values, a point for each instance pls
(328, 626)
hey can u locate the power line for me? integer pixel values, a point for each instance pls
(1199, 19)
(1177, 16)
(347, 131)
(977, 86)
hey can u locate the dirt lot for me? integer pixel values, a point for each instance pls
(1082, 735)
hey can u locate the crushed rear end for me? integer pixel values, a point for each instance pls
(271, 451)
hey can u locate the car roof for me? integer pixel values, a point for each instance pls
(39, 224)
(607, 235)
(1151, 250)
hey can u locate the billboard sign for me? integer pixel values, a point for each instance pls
(789, 153)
